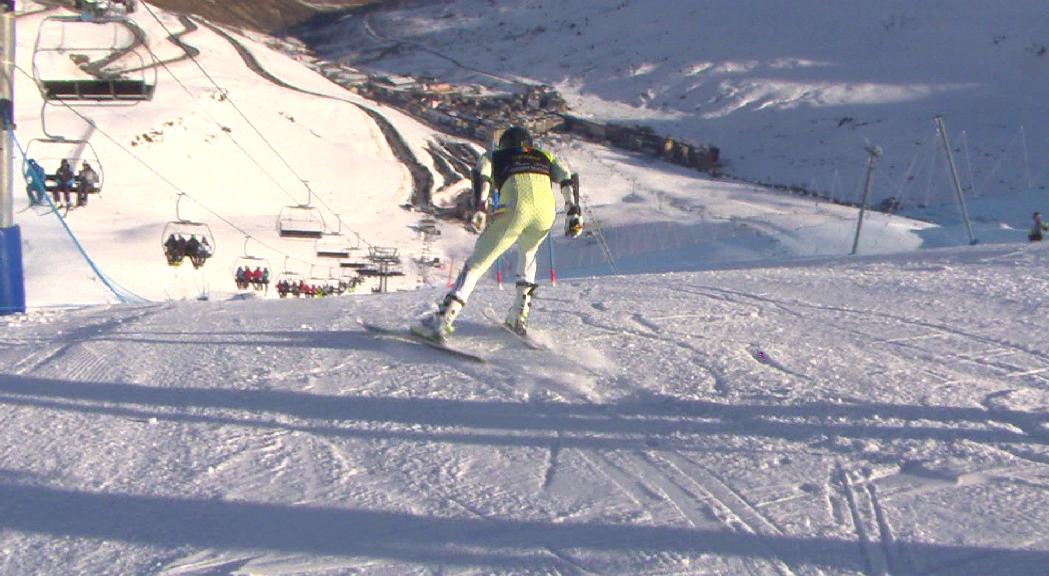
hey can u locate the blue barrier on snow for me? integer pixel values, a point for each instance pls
(12, 276)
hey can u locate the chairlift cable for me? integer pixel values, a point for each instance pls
(208, 113)
(249, 122)
(164, 179)
(998, 164)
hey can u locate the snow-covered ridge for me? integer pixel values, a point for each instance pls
(790, 92)
(217, 145)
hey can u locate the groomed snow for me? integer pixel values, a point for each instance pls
(726, 392)
(870, 416)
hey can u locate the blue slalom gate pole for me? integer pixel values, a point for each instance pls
(12, 274)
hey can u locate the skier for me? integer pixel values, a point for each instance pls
(522, 176)
(1037, 228)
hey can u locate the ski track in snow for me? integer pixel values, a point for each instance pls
(866, 416)
(299, 409)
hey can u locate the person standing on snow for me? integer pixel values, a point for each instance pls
(524, 177)
(1037, 228)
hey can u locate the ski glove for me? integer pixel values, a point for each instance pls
(478, 221)
(574, 222)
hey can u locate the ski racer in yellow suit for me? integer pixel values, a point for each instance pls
(523, 177)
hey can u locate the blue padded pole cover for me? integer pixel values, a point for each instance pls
(12, 276)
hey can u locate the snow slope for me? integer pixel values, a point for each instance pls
(221, 150)
(240, 143)
(788, 412)
(880, 415)
(790, 91)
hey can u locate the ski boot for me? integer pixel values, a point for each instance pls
(438, 326)
(517, 319)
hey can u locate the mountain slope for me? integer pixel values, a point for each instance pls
(863, 416)
(789, 92)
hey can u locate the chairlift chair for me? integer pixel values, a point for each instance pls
(289, 276)
(185, 230)
(352, 264)
(49, 153)
(249, 262)
(321, 283)
(302, 221)
(96, 8)
(334, 244)
(72, 64)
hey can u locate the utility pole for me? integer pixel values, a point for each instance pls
(12, 276)
(957, 181)
(873, 152)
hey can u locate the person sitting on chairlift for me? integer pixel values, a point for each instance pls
(196, 251)
(86, 183)
(64, 181)
(36, 181)
(173, 251)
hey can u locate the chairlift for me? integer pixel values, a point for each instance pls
(50, 152)
(72, 63)
(288, 281)
(183, 238)
(301, 221)
(334, 244)
(96, 8)
(325, 285)
(248, 262)
(352, 264)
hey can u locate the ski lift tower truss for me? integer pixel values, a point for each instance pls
(93, 60)
(385, 259)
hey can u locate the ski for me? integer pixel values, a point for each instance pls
(406, 335)
(525, 339)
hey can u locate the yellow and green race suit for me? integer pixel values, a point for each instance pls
(524, 214)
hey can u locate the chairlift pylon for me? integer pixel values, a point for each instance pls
(72, 65)
(184, 238)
